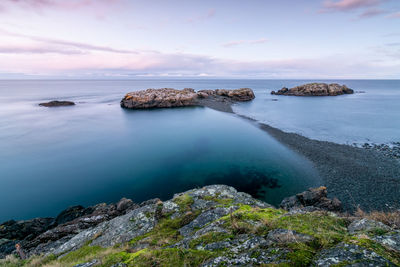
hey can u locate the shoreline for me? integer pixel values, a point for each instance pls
(358, 177)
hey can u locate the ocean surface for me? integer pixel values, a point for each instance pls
(53, 158)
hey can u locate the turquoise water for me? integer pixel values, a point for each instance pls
(52, 158)
(97, 152)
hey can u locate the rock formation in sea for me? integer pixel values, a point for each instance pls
(315, 89)
(210, 226)
(168, 97)
(57, 103)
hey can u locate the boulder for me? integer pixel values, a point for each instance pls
(313, 197)
(57, 103)
(391, 241)
(366, 225)
(315, 89)
(284, 237)
(350, 255)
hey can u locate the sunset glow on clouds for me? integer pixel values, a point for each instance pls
(227, 38)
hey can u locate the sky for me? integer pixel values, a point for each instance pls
(280, 39)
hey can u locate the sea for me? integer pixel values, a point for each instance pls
(95, 151)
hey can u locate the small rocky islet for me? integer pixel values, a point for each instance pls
(210, 226)
(57, 103)
(315, 89)
(169, 97)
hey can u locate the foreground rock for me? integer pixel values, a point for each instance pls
(57, 104)
(212, 226)
(168, 97)
(315, 89)
(312, 199)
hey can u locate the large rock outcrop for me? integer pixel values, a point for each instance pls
(217, 226)
(315, 89)
(168, 97)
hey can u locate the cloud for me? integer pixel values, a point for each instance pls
(4, 49)
(188, 65)
(208, 15)
(239, 42)
(348, 5)
(98, 7)
(394, 15)
(75, 45)
(372, 12)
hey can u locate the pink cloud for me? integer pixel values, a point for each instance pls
(178, 64)
(347, 5)
(239, 42)
(65, 45)
(372, 12)
(395, 15)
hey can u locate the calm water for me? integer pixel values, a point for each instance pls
(370, 116)
(97, 152)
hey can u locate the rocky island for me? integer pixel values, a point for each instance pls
(315, 89)
(168, 97)
(210, 226)
(57, 103)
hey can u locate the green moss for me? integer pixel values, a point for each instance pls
(149, 214)
(166, 231)
(121, 257)
(222, 201)
(327, 230)
(378, 231)
(81, 255)
(184, 202)
(209, 238)
(242, 220)
(170, 257)
(246, 212)
(388, 254)
(301, 254)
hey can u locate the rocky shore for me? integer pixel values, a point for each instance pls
(315, 89)
(220, 99)
(389, 150)
(359, 177)
(210, 226)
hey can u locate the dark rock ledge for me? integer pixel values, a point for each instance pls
(315, 89)
(211, 226)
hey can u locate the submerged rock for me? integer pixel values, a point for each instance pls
(57, 103)
(168, 97)
(315, 89)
